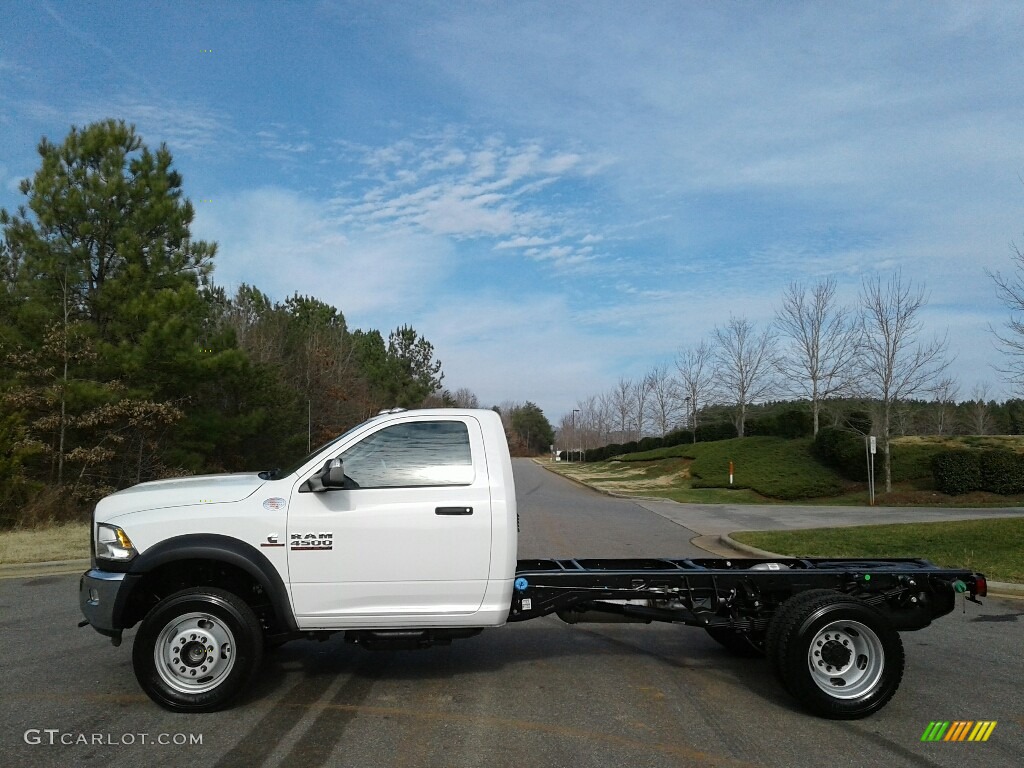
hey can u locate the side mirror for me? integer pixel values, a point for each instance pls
(334, 474)
(330, 477)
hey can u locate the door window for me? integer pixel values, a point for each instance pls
(415, 454)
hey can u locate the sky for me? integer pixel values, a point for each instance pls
(560, 194)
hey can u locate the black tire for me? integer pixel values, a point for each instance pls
(738, 643)
(782, 617)
(838, 657)
(210, 645)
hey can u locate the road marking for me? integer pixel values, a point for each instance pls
(289, 740)
(528, 726)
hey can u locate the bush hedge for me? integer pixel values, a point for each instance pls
(912, 460)
(957, 472)
(790, 424)
(715, 431)
(772, 466)
(1002, 472)
(995, 470)
(843, 451)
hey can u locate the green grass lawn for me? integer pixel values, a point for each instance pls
(770, 466)
(994, 547)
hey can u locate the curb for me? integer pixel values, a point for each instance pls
(995, 588)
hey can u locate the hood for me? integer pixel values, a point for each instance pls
(178, 492)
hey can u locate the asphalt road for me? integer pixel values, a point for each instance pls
(540, 693)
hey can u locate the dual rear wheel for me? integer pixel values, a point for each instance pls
(839, 657)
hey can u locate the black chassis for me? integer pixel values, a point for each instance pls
(715, 592)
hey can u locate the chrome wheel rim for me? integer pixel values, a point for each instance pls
(194, 653)
(846, 659)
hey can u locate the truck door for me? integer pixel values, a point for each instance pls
(409, 535)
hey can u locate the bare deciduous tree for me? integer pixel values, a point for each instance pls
(622, 407)
(946, 392)
(697, 373)
(746, 365)
(979, 411)
(896, 366)
(464, 397)
(824, 339)
(600, 419)
(1010, 291)
(641, 404)
(664, 399)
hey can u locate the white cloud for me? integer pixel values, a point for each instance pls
(184, 127)
(8, 182)
(284, 243)
(523, 242)
(491, 344)
(452, 186)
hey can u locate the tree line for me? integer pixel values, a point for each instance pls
(868, 359)
(125, 362)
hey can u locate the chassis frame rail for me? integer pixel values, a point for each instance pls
(741, 594)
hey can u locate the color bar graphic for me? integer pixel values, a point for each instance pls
(935, 730)
(958, 730)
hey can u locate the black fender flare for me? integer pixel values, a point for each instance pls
(213, 547)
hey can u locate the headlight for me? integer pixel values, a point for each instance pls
(113, 544)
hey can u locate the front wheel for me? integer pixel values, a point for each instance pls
(837, 656)
(197, 649)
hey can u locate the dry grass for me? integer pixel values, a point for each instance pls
(618, 477)
(953, 442)
(59, 542)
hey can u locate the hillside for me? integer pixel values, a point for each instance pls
(773, 469)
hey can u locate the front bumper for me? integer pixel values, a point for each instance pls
(97, 597)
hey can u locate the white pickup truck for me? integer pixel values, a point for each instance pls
(402, 534)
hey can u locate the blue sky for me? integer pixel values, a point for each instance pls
(559, 194)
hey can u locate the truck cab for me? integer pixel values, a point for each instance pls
(403, 527)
